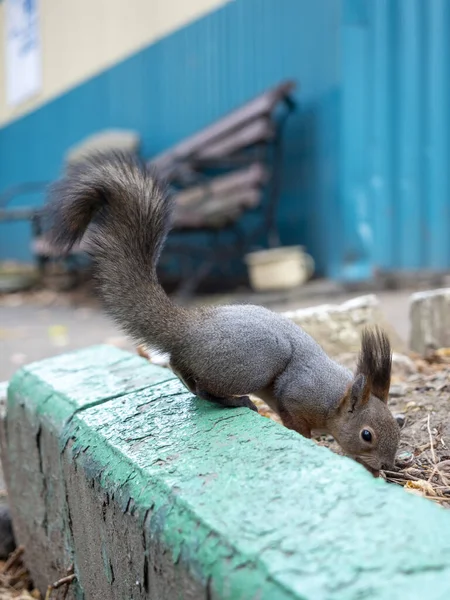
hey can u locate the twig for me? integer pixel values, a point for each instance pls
(400, 475)
(421, 449)
(437, 498)
(446, 488)
(63, 581)
(18, 575)
(433, 455)
(13, 558)
(433, 472)
(442, 473)
(400, 482)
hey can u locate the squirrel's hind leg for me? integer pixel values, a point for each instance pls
(227, 401)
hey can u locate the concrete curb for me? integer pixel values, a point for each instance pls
(151, 493)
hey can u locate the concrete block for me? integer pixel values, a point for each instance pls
(154, 494)
(337, 327)
(430, 320)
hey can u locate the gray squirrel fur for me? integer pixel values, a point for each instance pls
(222, 353)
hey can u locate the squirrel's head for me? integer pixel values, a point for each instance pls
(366, 428)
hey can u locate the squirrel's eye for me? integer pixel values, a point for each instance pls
(366, 435)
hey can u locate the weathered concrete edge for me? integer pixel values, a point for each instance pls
(217, 563)
(213, 556)
(221, 562)
(102, 367)
(98, 363)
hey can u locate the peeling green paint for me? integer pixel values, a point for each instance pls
(242, 507)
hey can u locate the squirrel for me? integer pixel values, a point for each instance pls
(223, 353)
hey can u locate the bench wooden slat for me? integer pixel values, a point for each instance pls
(255, 175)
(262, 105)
(194, 221)
(217, 211)
(253, 133)
(248, 198)
(17, 214)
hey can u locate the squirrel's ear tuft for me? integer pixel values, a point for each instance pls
(375, 362)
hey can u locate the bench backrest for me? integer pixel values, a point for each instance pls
(239, 129)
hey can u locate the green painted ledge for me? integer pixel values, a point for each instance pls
(153, 493)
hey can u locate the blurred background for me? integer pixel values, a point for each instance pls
(307, 143)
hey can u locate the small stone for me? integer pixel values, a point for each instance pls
(400, 418)
(404, 459)
(397, 390)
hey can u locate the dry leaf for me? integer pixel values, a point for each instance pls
(422, 486)
(58, 335)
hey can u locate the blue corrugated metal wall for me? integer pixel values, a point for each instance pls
(366, 177)
(185, 81)
(395, 144)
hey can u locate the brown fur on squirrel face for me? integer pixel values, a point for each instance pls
(220, 353)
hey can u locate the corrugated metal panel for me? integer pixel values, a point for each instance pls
(186, 80)
(395, 136)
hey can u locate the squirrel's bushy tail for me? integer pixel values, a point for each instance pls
(127, 213)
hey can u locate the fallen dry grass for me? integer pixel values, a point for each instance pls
(16, 584)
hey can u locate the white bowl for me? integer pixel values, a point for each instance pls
(279, 268)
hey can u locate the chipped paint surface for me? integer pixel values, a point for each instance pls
(167, 496)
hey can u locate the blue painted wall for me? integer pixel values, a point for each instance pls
(395, 137)
(185, 81)
(366, 177)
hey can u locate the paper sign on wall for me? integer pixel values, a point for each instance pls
(23, 50)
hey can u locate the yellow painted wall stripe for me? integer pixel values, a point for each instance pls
(82, 38)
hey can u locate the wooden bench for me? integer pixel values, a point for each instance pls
(227, 169)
